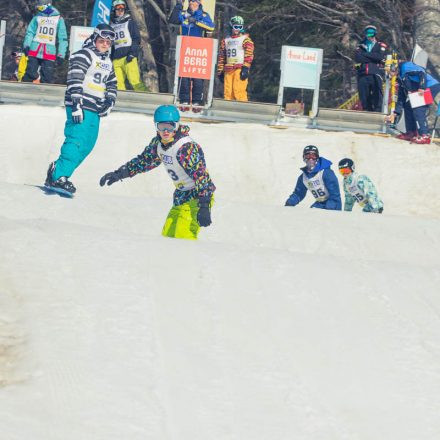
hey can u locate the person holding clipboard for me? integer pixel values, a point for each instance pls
(417, 90)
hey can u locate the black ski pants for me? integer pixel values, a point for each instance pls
(185, 92)
(46, 71)
(370, 92)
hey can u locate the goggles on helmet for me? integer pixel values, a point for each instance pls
(106, 34)
(309, 156)
(237, 27)
(42, 8)
(119, 8)
(345, 171)
(167, 126)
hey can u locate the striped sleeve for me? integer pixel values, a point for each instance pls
(111, 86)
(78, 66)
(248, 46)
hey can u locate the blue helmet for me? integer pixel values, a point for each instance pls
(167, 113)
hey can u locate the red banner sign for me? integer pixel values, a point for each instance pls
(196, 57)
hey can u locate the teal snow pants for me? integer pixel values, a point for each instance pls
(79, 142)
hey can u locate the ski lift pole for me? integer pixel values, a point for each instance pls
(2, 43)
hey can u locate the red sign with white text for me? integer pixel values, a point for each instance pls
(196, 57)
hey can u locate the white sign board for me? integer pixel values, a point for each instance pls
(79, 34)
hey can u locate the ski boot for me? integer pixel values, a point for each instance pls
(184, 106)
(49, 175)
(424, 139)
(407, 136)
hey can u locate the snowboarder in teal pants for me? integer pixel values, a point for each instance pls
(90, 95)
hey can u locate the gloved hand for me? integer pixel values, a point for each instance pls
(130, 57)
(26, 50)
(59, 61)
(192, 20)
(221, 76)
(244, 74)
(292, 200)
(77, 111)
(106, 107)
(204, 212)
(114, 176)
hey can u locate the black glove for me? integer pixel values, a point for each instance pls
(192, 20)
(244, 74)
(204, 212)
(221, 76)
(106, 107)
(129, 57)
(77, 111)
(114, 176)
(60, 61)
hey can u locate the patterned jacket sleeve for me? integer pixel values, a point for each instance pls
(248, 46)
(190, 156)
(367, 186)
(349, 199)
(79, 64)
(146, 161)
(221, 57)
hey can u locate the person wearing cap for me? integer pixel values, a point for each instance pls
(194, 22)
(234, 61)
(358, 188)
(126, 48)
(413, 78)
(370, 58)
(45, 43)
(319, 179)
(90, 95)
(184, 163)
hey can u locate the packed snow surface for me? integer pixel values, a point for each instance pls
(279, 323)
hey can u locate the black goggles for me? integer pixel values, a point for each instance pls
(107, 34)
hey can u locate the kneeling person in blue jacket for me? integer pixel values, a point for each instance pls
(319, 179)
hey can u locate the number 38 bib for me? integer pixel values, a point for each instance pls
(47, 29)
(316, 186)
(178, 175)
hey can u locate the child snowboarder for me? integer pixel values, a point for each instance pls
(184, 162)
(90, 95)
(359, 188)
(319, 179)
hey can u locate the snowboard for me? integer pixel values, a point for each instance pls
(53, 190)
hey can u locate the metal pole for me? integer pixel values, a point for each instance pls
(315, 104)
(176, 73)
(211, 83)
(2, 43)
(281, 89)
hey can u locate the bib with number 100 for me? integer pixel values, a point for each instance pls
(47, 29)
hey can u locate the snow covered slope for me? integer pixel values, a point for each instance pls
(279, 323)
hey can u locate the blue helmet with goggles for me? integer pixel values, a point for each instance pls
(44, 6)
(167, 113)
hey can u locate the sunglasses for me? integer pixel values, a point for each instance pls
(237, 27)
(166, 126)
(106, 34)
(345, 171)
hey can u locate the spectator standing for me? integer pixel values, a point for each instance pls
(45, 43)
(370, 61)
(234, 61)
(126, 48)
(194, 22)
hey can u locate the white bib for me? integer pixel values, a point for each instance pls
(316, 186)
(123, 37)
(234, 50)
(96, 77)
(47, 29)
(355, 192)
(178, 175)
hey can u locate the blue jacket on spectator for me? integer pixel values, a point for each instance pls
(192, 23)
(330, 181)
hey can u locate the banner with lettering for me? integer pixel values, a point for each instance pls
(101, 12)
(196, 56)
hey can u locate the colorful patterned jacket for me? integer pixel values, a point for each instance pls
(190, 157)
(46, 51)
(248, 46)
(372, 203)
